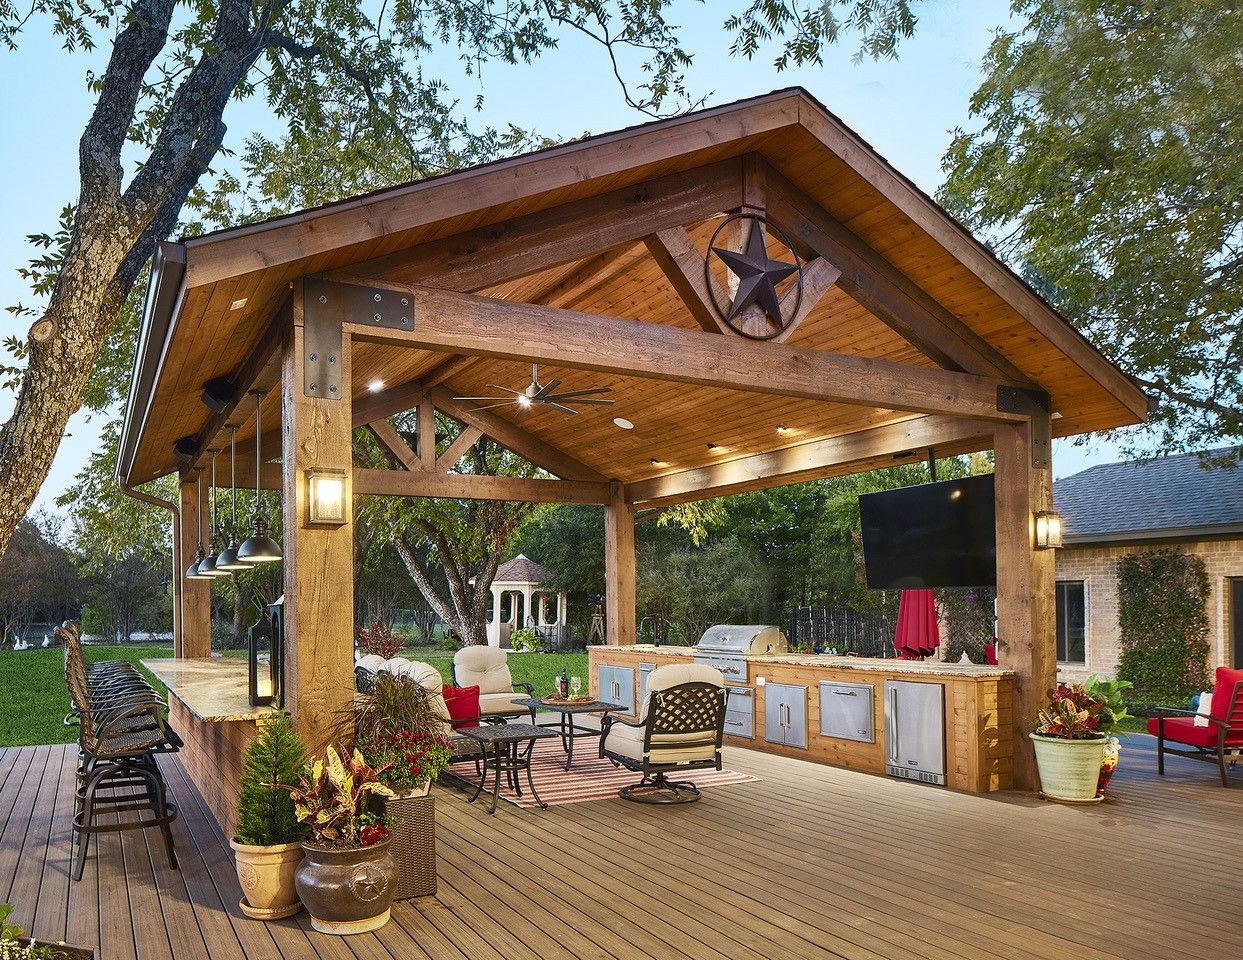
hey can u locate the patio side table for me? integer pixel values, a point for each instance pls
(567, 727)
(503, 752)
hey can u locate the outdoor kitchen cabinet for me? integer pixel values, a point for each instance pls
(846, 711)
(785, 714)
(616, 685)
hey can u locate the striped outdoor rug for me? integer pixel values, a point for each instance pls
(590, 778)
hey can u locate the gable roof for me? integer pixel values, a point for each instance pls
(1151, 499)
(212, 298)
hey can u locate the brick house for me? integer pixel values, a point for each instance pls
(1116, 509)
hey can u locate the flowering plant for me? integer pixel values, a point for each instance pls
(407, 759)
(1072, 714)
(380, 640)
(331, 796)
(11, 945)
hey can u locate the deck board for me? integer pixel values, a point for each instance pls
(807, 862)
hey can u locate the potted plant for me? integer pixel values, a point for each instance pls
(1070, 743)
(526, 640)
(400, 732)
(266, 845)
(14, 946)
(347, 880)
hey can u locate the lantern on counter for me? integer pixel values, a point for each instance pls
(264, 657)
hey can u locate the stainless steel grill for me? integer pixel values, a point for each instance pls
(727, 647)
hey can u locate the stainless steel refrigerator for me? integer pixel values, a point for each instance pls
(915, 730)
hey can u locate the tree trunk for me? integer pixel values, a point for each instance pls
(466, 607)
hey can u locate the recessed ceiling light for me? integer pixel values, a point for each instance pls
(782, 428)
(623, 423)
(375, 386)
(657, 463)
(238, 304)
(712, 446)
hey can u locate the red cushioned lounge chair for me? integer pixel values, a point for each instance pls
(1219, 741)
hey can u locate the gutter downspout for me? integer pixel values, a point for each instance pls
(172, 508)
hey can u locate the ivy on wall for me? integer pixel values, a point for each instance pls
(967, 615)
(1163, 618)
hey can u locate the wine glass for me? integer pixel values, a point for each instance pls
(576, 684)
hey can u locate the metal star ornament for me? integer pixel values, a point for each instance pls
(758, 275)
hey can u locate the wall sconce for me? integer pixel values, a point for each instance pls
(1048, 530)
(326, 497)
(263, 660)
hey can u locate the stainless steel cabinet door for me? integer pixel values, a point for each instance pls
(915, 729)
(846, 711)
(785, 714)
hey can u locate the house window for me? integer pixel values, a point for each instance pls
(1071, 621)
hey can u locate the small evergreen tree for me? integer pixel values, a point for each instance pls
(265, 813)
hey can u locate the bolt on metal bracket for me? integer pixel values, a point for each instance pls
(327, 305)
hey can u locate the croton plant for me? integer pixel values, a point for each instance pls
(332, 795)
(1083, 711)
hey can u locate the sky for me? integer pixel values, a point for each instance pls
(907, 109)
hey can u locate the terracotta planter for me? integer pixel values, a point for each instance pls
(266, 875)
(347, 890)
(412, 827)
(1069, 769)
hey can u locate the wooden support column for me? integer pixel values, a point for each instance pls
(619, 567)
(319, 569)
(194, 596)
(1026, 620)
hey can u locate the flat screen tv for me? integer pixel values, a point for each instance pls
(932, 535)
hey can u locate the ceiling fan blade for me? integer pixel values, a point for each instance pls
(506, 399)
(580, 400)
(502, 403)
(561, 407)
(497, 386)
(546, 389)
(581, 393)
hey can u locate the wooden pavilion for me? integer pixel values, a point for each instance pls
(901, 335)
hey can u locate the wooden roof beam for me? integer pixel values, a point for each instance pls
(883, 289)
(810, 461)
(465, 323)
(470, 486)
(395, 444)
(489, 255)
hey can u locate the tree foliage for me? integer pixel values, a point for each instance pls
(1163, 618)
(1106, 167)
(265, 812)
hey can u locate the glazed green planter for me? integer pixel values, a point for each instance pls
(1069, 769)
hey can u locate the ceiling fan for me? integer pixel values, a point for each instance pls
(541, 393)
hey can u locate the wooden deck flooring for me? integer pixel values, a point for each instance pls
(810, 862)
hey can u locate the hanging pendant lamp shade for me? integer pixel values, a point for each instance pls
(192, 571)
(259, 547)
(228, 559)
(208, 565)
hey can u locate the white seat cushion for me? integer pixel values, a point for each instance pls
(396, 666)
(370, 662)
(628, 742)
(484, 667)
(491, 704)
(675, 674)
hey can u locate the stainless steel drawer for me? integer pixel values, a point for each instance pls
(846, 711)
(740, 712)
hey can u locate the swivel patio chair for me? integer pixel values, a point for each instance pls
(1215, 738)
(488, 668)
(117, 769)
(680, 728)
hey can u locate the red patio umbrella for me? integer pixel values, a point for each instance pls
(917, 635)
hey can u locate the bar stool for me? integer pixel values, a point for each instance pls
(121, 730)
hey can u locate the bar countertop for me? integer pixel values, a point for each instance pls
(872, 664)
(214, 689)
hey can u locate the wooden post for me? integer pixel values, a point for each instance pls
(193, 639)
(619, 567)
(319, 569)
(1026, 619)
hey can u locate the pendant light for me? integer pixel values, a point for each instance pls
(192, 571)
(228, 556)
(259, 546)
(208, 565)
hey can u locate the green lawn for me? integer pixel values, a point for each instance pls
(34, 701)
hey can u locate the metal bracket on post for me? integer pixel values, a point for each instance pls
(327, 305)
(1035, 404)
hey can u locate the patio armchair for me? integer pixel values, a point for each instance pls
(1216, 737)
(680, 728)
(488, 668)
(428, 677)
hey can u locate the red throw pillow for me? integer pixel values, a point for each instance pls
(463, 704)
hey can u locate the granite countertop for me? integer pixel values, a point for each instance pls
(870, 664)
(214, 689)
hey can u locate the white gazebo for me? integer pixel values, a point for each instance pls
(519, 599)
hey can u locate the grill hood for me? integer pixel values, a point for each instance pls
(739, 639)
